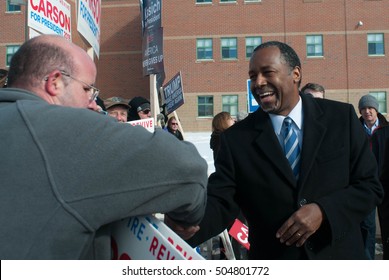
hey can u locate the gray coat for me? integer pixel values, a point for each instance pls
(67, 172)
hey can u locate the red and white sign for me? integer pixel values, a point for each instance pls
(240, 232)
(147, 238)
(50, 17)
(146, 123)
(88, 22)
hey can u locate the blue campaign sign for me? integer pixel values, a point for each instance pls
(252, 104)
(173, 93)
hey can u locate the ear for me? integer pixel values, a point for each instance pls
(54, 83)
(296, 74)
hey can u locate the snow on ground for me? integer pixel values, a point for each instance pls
(201, 141)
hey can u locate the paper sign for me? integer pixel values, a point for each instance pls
(147, 238)
(50, 17)
(88, 22)
(146, 123)
(173, 93)
(240, 232)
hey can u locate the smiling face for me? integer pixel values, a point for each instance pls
(369, 114)
(273, 83)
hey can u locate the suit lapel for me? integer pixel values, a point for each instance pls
(313, 134)
(268, 143)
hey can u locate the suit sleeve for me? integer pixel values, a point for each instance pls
(221, 209)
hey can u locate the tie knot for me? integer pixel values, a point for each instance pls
(288, 121)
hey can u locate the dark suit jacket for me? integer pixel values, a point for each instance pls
(338, 172)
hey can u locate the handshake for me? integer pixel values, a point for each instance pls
(184, 232)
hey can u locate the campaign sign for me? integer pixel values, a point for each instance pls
(151, 11)
(147, 238)
(146, 123)
(152, 48)
(88, 22)
(240, 232)
(50, 17)
(173, 94)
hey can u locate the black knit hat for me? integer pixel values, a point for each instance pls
(139, 103)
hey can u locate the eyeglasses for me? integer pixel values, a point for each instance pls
(146, 111)
(95, 91)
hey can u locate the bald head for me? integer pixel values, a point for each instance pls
(56, 70)
(41, 55)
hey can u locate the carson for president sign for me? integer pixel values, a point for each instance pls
(50, 17)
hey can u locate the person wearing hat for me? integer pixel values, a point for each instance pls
(379, 137)
(372, 120)
(117, 108)
(139, 109)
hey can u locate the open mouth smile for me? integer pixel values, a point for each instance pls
(266, 94)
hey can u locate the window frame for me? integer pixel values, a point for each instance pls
(204, 48)
(208, 101)
(8, 54)
(376, 43)
(226, 106)
(12, 8)
(252, 45)
(314, 45)
(229, 48)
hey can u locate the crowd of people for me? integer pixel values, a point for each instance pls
(303, 171)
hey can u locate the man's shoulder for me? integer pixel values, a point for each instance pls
(327, 106)
(16, 94)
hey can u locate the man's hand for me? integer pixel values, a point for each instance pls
(184, 232)
(301, 225)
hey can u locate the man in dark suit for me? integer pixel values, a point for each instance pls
(314, 214)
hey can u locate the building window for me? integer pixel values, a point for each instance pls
(229, 48)
(314, 45)
(375, 44)
(204, 49)
(205, 106)
(203, 1)
(381, 98)
(10, 52)
(12, 7)
(230, 104)
(252, 1)
(224, 1)
(251, 44)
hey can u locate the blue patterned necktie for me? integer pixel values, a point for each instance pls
(291, 147)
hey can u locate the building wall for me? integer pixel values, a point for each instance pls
(345, 70)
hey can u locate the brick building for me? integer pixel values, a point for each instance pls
(342, 45)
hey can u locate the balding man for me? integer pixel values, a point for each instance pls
(65, 170)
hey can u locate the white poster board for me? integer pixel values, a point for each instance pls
(88, 22)
(148, 123)
(147, 238)
(50, 17)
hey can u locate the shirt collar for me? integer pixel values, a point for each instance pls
(295, 115)
(371, 130)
